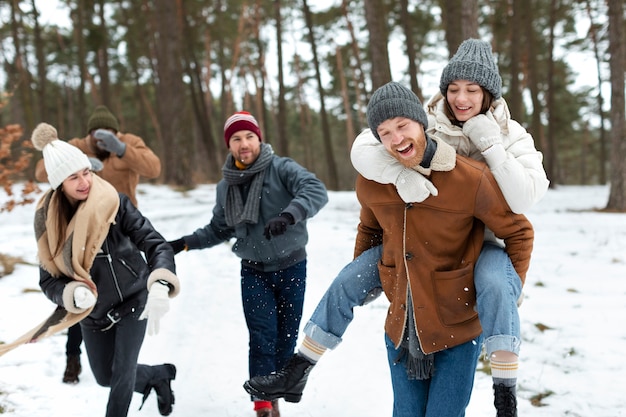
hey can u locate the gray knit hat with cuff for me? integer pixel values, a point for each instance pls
(474, 62)
(394, 100)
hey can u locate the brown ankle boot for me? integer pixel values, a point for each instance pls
(275, 411)
(72, 369)
(264, 412)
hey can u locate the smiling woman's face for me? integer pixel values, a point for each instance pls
(76, 187)
(465, 99)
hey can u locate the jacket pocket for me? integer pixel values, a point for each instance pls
(455, 295)
(129, 268)
(388, 279)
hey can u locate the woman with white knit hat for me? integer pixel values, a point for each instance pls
(89, 240)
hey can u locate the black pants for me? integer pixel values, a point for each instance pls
(74, 339)
(113, 360)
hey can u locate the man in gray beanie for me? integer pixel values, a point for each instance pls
(425, 266)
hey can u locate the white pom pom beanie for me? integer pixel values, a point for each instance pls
(60, 158)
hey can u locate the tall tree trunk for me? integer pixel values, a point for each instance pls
(592, 33)
(409, 44)
(376, 18)
(469, 19)
(333, 180)
(357, 68)
(345, 98)
(281, 119)
(40, 55)
(102, 57)
(79, 39)
(551, 138)
(304, 112)
(460, 20)
(617, 63)
(19, 80)
(451, 16)
(205, 155)
(517, 39)
(536, 128)
(170, 89)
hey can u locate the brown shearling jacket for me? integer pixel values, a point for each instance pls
(433, 247)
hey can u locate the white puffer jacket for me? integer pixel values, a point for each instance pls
(516, 164)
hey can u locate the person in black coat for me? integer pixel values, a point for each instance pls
(90, 241)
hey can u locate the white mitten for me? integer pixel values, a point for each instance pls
(83, 297)
(374, 162)
(157, 305)
(483, 131)
(413, 187)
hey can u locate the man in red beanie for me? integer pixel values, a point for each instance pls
(263, 201)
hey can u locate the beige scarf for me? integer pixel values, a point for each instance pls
(83, 237)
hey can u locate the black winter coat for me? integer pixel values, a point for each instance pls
(119, 271)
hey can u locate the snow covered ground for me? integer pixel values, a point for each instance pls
(573, 320)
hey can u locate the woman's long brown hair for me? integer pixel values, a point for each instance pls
(64, 215)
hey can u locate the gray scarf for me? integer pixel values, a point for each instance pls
(419, 365)
(236, 211)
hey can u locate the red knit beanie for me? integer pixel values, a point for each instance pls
(241, 120)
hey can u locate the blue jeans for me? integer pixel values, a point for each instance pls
(272, 305)
(497, 289)
(357, 283)
(445, 394)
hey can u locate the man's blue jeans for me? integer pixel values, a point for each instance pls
(357, 283)
(498, 288)
(272, 305)
(446, 394)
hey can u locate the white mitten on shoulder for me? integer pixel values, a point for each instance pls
(373, 161)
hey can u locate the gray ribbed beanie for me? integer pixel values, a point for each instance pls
(394, 100)
(474, 62)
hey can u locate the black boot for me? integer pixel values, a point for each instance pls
(287, 383)
(163, 389)
(505, 401)
(72, 369)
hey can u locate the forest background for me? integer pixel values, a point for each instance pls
(173, 71)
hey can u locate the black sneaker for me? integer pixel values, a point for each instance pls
(287, 383)
(505, 401)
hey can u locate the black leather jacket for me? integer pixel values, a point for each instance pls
(119, 271)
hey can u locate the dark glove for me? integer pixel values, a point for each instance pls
(109, 142)
(178, 245)
(96, 164)
(278, 225)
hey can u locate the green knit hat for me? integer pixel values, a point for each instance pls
(102, 118)
(394, 100)
(474, 62)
